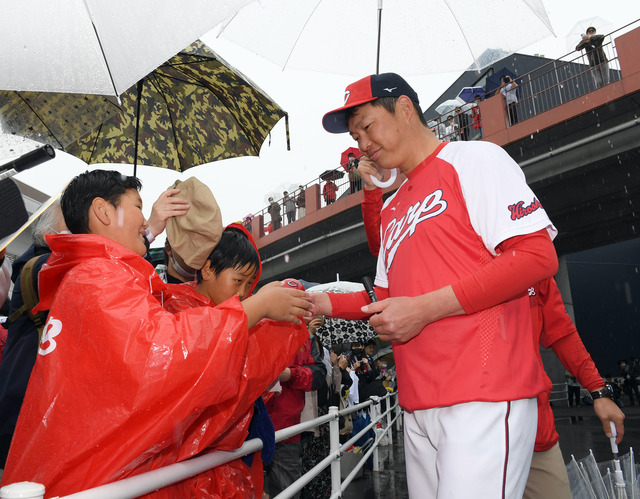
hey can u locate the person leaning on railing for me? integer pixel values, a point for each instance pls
(592, 45)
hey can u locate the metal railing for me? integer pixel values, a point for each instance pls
(333, 180)
(130, 488)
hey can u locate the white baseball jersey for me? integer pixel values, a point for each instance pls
(442, 224)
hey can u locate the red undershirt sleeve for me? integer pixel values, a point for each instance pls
(348, 305)
(524, 261)
(574, 356)
(371, 208)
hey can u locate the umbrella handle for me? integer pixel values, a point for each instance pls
(386, 183)
(612, 439)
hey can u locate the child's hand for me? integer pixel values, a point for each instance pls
(277, 303)
(285, 375)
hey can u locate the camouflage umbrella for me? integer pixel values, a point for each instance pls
(194, 109)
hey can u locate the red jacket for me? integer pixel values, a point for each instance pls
(329, 191)
(557, 331)
(122, 386)
(285, 408)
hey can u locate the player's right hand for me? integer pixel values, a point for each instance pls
(367, 168)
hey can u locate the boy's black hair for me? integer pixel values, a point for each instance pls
(389, 103)
(83, 189)
(234, 250)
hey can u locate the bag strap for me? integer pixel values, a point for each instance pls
(30, 298)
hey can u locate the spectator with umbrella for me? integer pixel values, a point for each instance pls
(592, 45)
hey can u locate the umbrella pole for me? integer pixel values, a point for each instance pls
(286, 125)
(135, 151)
(379, 33)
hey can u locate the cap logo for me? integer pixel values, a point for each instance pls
(389, 89)
(347, 94)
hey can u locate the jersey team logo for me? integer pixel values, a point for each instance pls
(519, 210)
(399, 229)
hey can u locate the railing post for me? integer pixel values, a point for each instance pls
(389, 418)
(375, 418)
(334, 448)
(398, 419)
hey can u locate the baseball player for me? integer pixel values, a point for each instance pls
(463, 239)
(554, 328)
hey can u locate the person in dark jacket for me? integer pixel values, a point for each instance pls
(592, 45)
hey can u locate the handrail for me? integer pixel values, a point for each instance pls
(135, 486)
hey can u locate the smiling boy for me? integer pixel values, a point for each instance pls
(121, 385)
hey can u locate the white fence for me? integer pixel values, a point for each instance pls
(138, 485)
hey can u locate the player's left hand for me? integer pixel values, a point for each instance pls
(396, 319)
(402, 318)
(607, 410)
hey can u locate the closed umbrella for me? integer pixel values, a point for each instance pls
(193, 109)
(404, 36)
(96, 46)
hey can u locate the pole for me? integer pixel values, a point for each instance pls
(375, 417)
(379, 33)
(334, 447)
(135, 151)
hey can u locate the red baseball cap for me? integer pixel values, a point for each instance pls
(366, 90)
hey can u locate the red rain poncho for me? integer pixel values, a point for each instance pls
(122, 386)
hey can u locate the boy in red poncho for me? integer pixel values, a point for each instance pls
(121, 385)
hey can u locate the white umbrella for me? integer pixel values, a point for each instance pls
(98, 47)
(449, 105)
(574, 36)
(406, 36)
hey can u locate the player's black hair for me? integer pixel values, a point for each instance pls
(389, 103)
(234, 250)
(83, 189)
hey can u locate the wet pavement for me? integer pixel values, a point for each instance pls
(579, 429)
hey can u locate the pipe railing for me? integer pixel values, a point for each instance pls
(132, 487)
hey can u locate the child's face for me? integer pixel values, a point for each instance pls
(230, 282)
